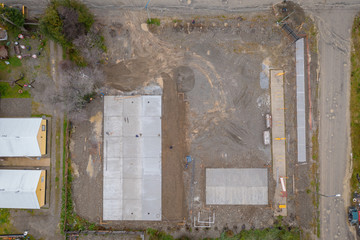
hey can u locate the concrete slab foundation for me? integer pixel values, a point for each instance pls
(236, 186)
(132, 158)
(278, 141)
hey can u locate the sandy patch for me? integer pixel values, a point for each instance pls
(90, 167)
(96, 120)
(75, 169)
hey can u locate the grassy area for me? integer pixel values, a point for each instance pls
(6, 91)
(312, 35)
(12, 62)
(355, 103)
(155, 21)
(314, 184)
(5, 226)
(277, 232)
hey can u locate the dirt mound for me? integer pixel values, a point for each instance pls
(127, 76)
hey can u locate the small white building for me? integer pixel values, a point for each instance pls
(22, 137)
(24, 189)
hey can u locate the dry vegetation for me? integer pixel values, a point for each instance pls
(355, 103)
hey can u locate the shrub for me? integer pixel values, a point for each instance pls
(155, 21)
(14, 15)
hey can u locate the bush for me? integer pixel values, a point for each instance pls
(64, 17)
(14, 15)
(52, 26)
(155, 21)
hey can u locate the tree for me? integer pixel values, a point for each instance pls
(12, 18)
(77, 85)
(67, 20)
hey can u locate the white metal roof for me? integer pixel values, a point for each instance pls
(300, 101)
(18, 137)
(18, 188)
(132, 158)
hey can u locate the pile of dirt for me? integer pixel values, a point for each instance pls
(127, 75)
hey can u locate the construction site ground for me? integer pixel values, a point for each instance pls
(211, 69)
(213, 73)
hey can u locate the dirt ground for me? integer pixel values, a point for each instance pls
(212, 71)
(15, 107)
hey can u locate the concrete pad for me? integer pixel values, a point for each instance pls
(132, 158)
(236, 186)
(278, 139)
(25, 162)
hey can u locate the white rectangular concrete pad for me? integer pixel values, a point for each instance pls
(236, 186)
(132, 158)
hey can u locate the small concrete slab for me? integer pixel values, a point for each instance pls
(236, 186)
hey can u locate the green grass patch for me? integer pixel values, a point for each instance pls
(5, 226)
(278, 232)
(155, 21)
(315, 145)
(154, 234)
(355, 103)
(315, 184)
(15, 61)
(6, 91)
(318, 224)
(312, 35)
(4, 216)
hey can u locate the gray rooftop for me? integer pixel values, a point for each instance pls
(300, 101)
(132, 158)
(236, 186)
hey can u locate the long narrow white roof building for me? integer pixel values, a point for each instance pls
(22, 137)
(23, 189)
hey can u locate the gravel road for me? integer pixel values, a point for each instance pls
(37, 6)
(334, 45)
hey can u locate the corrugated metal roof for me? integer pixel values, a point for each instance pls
(18, 188)
(300, 101)
(132, 158)
(18, 137)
